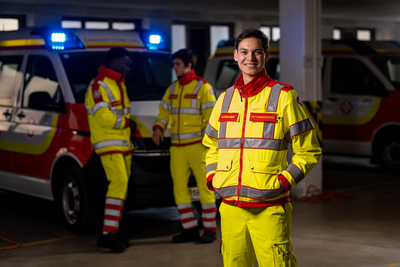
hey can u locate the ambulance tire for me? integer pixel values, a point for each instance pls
(79, 213)
(390, 154)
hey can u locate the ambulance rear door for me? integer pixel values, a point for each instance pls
(353, 88)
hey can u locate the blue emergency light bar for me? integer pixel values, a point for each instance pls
(153, 41)
(59, 39)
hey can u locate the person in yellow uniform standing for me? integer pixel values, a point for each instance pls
(249, 131)
(108, 108)
(186, 106)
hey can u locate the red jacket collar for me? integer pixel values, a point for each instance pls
(255, 86)
(188, 78)
(112, 74)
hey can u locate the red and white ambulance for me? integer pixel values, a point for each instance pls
(360, 110)
(45, 149)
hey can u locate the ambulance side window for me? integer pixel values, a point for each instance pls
(350, 76)
(10, 74)
(42, 90)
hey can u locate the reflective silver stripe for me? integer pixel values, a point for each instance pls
(189, 224)
(211, 167)
(265, 143)
(256, 193)
(269, 128)
(211, 132)
(227, 191)
(208, 206)
(97, 107)
(297, 174)
(225, 108)
(116, 213)
(162, 121)
(171, 92)
(288, 137)
(111, 143)
(121, 111)
(105, 86)
(195, 92)
(184, 206)
(301, 127)
(207, 224)
(165, 105)
(192, 111)
(114, 201)
(185, 136)
(118, 122)
(186, 215)
(111, 223)
(273, 97)
(207, 105)
(253, 143)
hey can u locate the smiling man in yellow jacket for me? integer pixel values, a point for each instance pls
(108, 109)
(249, 131)
(186, 106)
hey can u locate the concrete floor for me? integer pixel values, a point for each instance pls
(362, 231)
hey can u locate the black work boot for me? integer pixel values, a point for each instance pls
(124, 241)
(110, 241)
(187, 236)
(208, 236)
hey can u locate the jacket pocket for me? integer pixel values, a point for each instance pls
(224, 165)
(258, 166)
(283, 254)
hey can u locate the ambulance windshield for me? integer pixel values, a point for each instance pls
(149, 76)
(390, 67)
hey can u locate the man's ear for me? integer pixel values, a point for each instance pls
(189, 65)
(235, 54)
(266, 56)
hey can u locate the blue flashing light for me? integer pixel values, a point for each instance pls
(57, 47)
(155, 39)
(58, 37)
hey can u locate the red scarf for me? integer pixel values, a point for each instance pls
(259, 82)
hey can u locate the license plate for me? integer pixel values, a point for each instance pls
(195, 194)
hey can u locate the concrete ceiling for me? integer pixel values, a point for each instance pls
(369, 9)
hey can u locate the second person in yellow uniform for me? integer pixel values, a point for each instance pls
(187, 106)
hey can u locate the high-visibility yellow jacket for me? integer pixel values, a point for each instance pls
(248, 134)
(186, 106)
(108, 108)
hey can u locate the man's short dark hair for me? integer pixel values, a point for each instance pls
(116, 52)
(255, 33)
(186, 55)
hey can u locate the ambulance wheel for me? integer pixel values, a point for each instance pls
(78, 211)
(390, 154)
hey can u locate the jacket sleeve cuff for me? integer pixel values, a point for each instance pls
(209, 182)
(286, 184)
(158, 127)
(127, 122)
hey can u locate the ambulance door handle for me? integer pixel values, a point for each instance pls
(333, 99)
(21, 115)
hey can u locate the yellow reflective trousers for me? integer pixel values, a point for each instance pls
(117, 167)
(184, 159)
(262, 232)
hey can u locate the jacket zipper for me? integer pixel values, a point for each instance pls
(179, 114)
(241, 147)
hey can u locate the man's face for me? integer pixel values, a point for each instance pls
(251, 57)
(121, 65)
(180, 69)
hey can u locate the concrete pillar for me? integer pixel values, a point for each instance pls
(301, 62)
